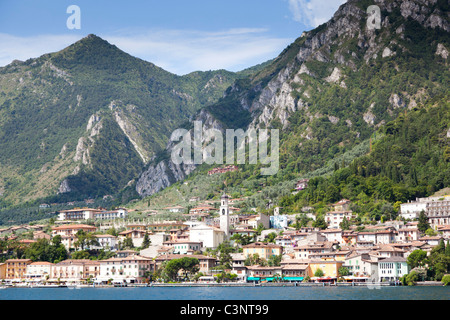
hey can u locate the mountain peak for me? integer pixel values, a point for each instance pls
(90, 50)
(93, 39)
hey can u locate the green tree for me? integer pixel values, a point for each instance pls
(417, 258)
(85, 239)
(171, 269)
(446, 280)
(410, 279)
(345, 224)
(225, 258)
(253, 259)
(438, 261)
(318, 273)
(320, 223)
(271, 237)
(423, 224)
(146, 241)
(343, 271)
(44, 250)
(187, 264)
(447, 249)
(127, 243)
(274, 260)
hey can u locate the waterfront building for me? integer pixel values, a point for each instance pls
(238, 266)
(264, 274)
(130, 269)
(70, 270)
(392, 269)
(206, 263)
(39, 271)
(15, 269)
(329, 269)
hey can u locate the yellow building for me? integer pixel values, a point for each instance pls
(16, 268)
(263, 250)
(2, 271)
(329, 268)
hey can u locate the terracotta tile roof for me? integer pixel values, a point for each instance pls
(40, 263)
(74, 226)
(262, 245)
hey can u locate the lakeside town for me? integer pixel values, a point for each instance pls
(216, 244)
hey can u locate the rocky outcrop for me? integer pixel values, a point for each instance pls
(64, 187)
(164, 173)
(161, 176)
(93, 128)
(442, 51)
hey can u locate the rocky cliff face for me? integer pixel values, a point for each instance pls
(161, 174)
(329, 45)
(330, 61)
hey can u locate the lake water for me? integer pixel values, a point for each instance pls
(229, 293)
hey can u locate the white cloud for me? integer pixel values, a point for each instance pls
(24, 48)
(313, 13)
(177, 51)
(184, 51)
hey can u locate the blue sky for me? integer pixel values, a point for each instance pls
(179, 36)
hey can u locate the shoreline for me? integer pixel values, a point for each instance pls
(247, 285)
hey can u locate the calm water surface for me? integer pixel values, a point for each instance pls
(229, 293)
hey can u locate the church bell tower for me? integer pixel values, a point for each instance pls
(224, 216)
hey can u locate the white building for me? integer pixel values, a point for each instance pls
(366, 237)
(334, 218)
(68, 270)
(88, 213)
(77, 214)
(107, 242)
(128, 269)
(392, 269)
(407, 234)
(411, 210)
(333, 235)
(386, 236)
(38, 271)
(359, 265)
(437, 210)
(111, 215)
(210, 236)
(185, 247)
